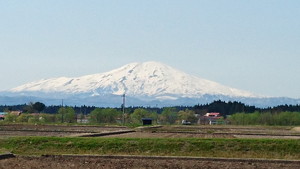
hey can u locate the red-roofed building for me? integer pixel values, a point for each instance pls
(212, 114)
(2, 115)
(211, 118)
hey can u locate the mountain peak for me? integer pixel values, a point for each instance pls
(147, 79)
(145, 66)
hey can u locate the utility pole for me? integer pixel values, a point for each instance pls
(123, 108)
(62, 113)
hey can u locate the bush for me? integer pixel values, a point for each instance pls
(104, 115)
(33, 119)
(23, 118)
(47, 118)
(267, 118)
(66, 114)
(10, 118)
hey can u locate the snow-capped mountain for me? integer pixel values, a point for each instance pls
(145, 84)
(149, 79)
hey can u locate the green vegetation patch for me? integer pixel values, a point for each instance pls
(230, 148)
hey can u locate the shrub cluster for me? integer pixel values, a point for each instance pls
(266, 118)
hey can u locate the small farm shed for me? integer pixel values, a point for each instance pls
(147, 121)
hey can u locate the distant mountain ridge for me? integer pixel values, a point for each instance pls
(135, 79)
(148, 83)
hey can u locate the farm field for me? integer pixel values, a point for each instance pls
(214, 132)
(62, 162)
(11, 130)
(181, 131)
(213, 146)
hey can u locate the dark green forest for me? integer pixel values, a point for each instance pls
(224, 108)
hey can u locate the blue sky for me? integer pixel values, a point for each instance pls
(250, 45)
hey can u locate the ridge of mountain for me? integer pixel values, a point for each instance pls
(145, 84)
(148, 79)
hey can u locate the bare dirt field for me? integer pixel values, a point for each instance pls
(62, 162)
(52, 130)
(213, 132)
(160, 132)
(169, 135)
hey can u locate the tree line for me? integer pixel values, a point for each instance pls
(285, 118)
(225, 108)
(237, 113)
(105, 116)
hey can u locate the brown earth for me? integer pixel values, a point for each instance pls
(61, 162)
(213, 132)
(52, 130)
(162, 132)
(169, 135)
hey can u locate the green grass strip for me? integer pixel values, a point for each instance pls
(228, 148)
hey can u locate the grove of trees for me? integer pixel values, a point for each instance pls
(266, 118)
(108, 115)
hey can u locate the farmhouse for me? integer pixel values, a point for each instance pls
(211, 118)
(2, 115)
(17, 113)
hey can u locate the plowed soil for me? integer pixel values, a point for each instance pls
(52, 130)
(163, 132)
(61, 162)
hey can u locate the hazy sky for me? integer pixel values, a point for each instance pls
(252, 45)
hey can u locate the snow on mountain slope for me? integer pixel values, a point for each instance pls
(150, 79)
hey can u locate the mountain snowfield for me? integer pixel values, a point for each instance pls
(148, 79)
(145, 84)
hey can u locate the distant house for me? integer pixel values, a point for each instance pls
(82, 118)
(17, 113)
(2, 115)
(211, 118)
(185, 122)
